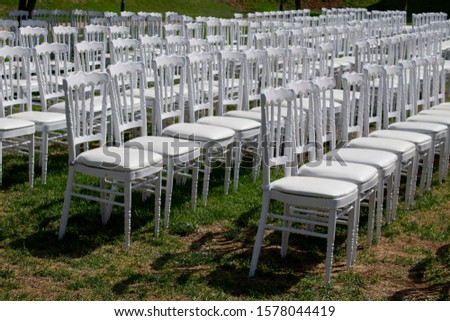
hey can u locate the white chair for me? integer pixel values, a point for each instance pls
(308, 200)
(179, 156)
(90, 56)
(11, 26)
(119, 169)
(34, 23)
(49, 125)
(201, 85)
(15, 133)
(353, 115)
(169, 115)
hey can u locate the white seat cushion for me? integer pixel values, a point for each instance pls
(419, 127)
(314, 187)
(377, 158)
(198, 132)
(236, 124)
(12, 124)
(119, 158)
(439, 119)
(354, 173)
(38, 117)
(421, 140)
(436, 112)
(244, 114)
(166, 146)
(391, 145)
(441, 106)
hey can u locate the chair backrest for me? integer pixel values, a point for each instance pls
(298, 63)
(127, 98)
(66, 35)
(272, 130)
(118, 32)
(90, 56)
(79, 19)
(324, 114)
(376, 96)
(35, 23)
(14, 68)
(228, 30)
(422, 83)
(124, 50)
(82, 125)
(169, 71)
(231, 80)
(198, 45)
(18, 15)
(302, 117)
(51, 66)
(97, 33)
(278, 67)
(173, 30)
(7, 38)
(41, 14)
(393, 107)
(213, 27)
(32, 36)
(353, 106)
(176, 45)
(59, 18)
(150, 48)
(409, 88)
(154, 24)
(255, 77)
(326, 60)
(200, 76)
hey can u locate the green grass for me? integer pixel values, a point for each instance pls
(205, 254)
(216, 8)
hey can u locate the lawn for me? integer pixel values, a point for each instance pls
(205, 254)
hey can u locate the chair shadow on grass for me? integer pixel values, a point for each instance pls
(437, 291)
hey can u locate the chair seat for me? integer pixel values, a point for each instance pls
(441, 106)
(244, 114)
(166, 146)
(419, 127)
(438, 119)
(199, 132)
(314, 187)
(118, 159)
(422, 141)
(236, 124)
(7, 124)
(348, 59)
(436, 112)
(377, 158)
(40, 118)
(358, 174)
(98, 101)
(401, 148)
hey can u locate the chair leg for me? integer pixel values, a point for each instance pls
(260, 233)
(353, 232)
(108, 208)
(30, 161)
(228, 161)
(194, 186)
(372, 213)
(158, 183)
(127, 213)
(396, 191)
(285, 234)
(430, 165)
(379, 213)
(206, 176)
(169, 188)
(237, 164)
(44, 155)
(257, 161)
(330, 244)
(66, 206)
